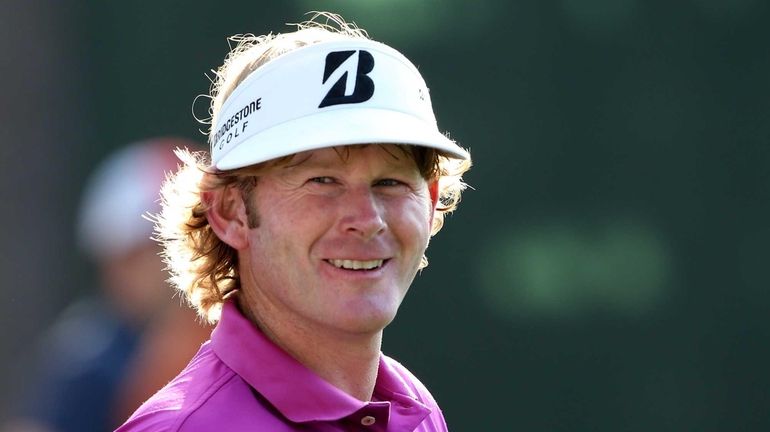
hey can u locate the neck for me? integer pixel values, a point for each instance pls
(348, 361)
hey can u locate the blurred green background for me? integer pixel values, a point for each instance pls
(609, 271)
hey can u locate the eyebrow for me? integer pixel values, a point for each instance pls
(311, 161)
(308, 163)
(297, 161)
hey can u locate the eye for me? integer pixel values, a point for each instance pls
(388, 182)
(321, 180)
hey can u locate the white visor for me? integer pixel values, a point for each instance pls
(324, 95)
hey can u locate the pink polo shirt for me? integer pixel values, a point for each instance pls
(241, 381)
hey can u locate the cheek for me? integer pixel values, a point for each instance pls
(290, 224)
(412, 218)
(296, 207)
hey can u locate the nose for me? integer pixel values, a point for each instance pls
(362, 214)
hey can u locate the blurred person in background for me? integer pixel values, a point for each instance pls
(93, 360)
(300, 234)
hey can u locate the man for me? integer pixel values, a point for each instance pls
(301, 235)
(85, 375)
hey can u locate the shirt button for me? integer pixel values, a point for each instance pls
(368, 420)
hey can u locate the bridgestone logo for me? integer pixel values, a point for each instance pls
(352, 83)
(225, 130)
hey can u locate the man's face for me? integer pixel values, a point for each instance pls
(135, 282)
(339, 239)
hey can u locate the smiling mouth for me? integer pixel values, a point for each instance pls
(356, 265)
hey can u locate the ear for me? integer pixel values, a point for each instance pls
(433, 190)
(227, 216)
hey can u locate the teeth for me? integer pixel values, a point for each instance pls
(356, 265)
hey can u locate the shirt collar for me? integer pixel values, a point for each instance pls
(293, 389)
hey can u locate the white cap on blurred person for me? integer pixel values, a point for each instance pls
(122, 189)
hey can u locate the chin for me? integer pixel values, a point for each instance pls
(371, 322)
(369, 313)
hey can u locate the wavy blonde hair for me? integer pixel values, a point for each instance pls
(204, 268)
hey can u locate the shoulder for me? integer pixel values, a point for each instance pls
(408, 383)
(78, 364)
(418, 390)
(171, 408)
(87, 335)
